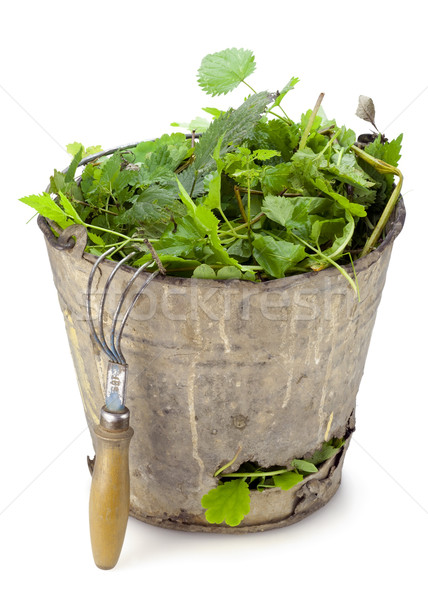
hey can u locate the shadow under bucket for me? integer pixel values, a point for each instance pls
(219, 365)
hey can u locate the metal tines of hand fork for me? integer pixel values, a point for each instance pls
(110, 489)
(114, 352)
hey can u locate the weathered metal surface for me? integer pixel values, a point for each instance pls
(217, 365)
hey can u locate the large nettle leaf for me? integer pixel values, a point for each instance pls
(223, 71)
(233, 127)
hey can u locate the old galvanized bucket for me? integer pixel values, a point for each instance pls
(218, 365)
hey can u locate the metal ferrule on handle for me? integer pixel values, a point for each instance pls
(109, 498)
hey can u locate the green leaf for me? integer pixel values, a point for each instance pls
(264, 154)
(215, 112)
(287, 480)
(292, 213)
(276, 256)
(229, 273)
(73, 214)
(324, 230)
(289, 86)
(71, 171)
(204, 272)
(345, 168)
(48, 208)
(229, 502)
(233, 127)
(152, 210)
(198, 125)
(179, 239)
(355, 209)
(240, 248)
(326, 452)
(57, 182)
(191, 181)
(304, 465)
(207, 223)
(223, 71)
(74, 148)
(346, 138)
(274, 179)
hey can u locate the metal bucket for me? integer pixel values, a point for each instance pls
(218, 365)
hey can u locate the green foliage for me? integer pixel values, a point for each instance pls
(250, 199)
(223, 71)
(230, 500)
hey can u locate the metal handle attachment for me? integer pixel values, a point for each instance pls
(109, 498)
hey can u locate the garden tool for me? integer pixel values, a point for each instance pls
(109, 498)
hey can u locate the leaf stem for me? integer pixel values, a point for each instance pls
(308, 128)
(241, 206)
(229, 464)
(332, 262)
(384, 168)
(249, 86)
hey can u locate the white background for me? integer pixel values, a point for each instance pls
(110, 73)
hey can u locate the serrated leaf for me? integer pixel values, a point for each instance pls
(366, 110)
(74, 148)
(48, 208)
(74, 215)
(264, 154)
(276, 256)
(346, 138)
(71, 171)
(153, 209)
(233, 126)
(191, 181)
(289, 86)
(223, 71)
(287, 480)
(274, 179)
(57, 182)
(229, 502)
(293, 213)
(304, 465)
(179, 239)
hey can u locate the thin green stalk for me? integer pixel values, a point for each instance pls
(384, 168)
(310, 122)
(229, 464)
(249, 205)
(249, 86)
(333, 263)
(256, 218)
(286, 119)
(232, 229)
(126, 237)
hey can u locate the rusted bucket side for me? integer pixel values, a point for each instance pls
(218, 365)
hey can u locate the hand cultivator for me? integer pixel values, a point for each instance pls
(109, 499)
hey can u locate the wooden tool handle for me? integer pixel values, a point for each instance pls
(109, 499)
